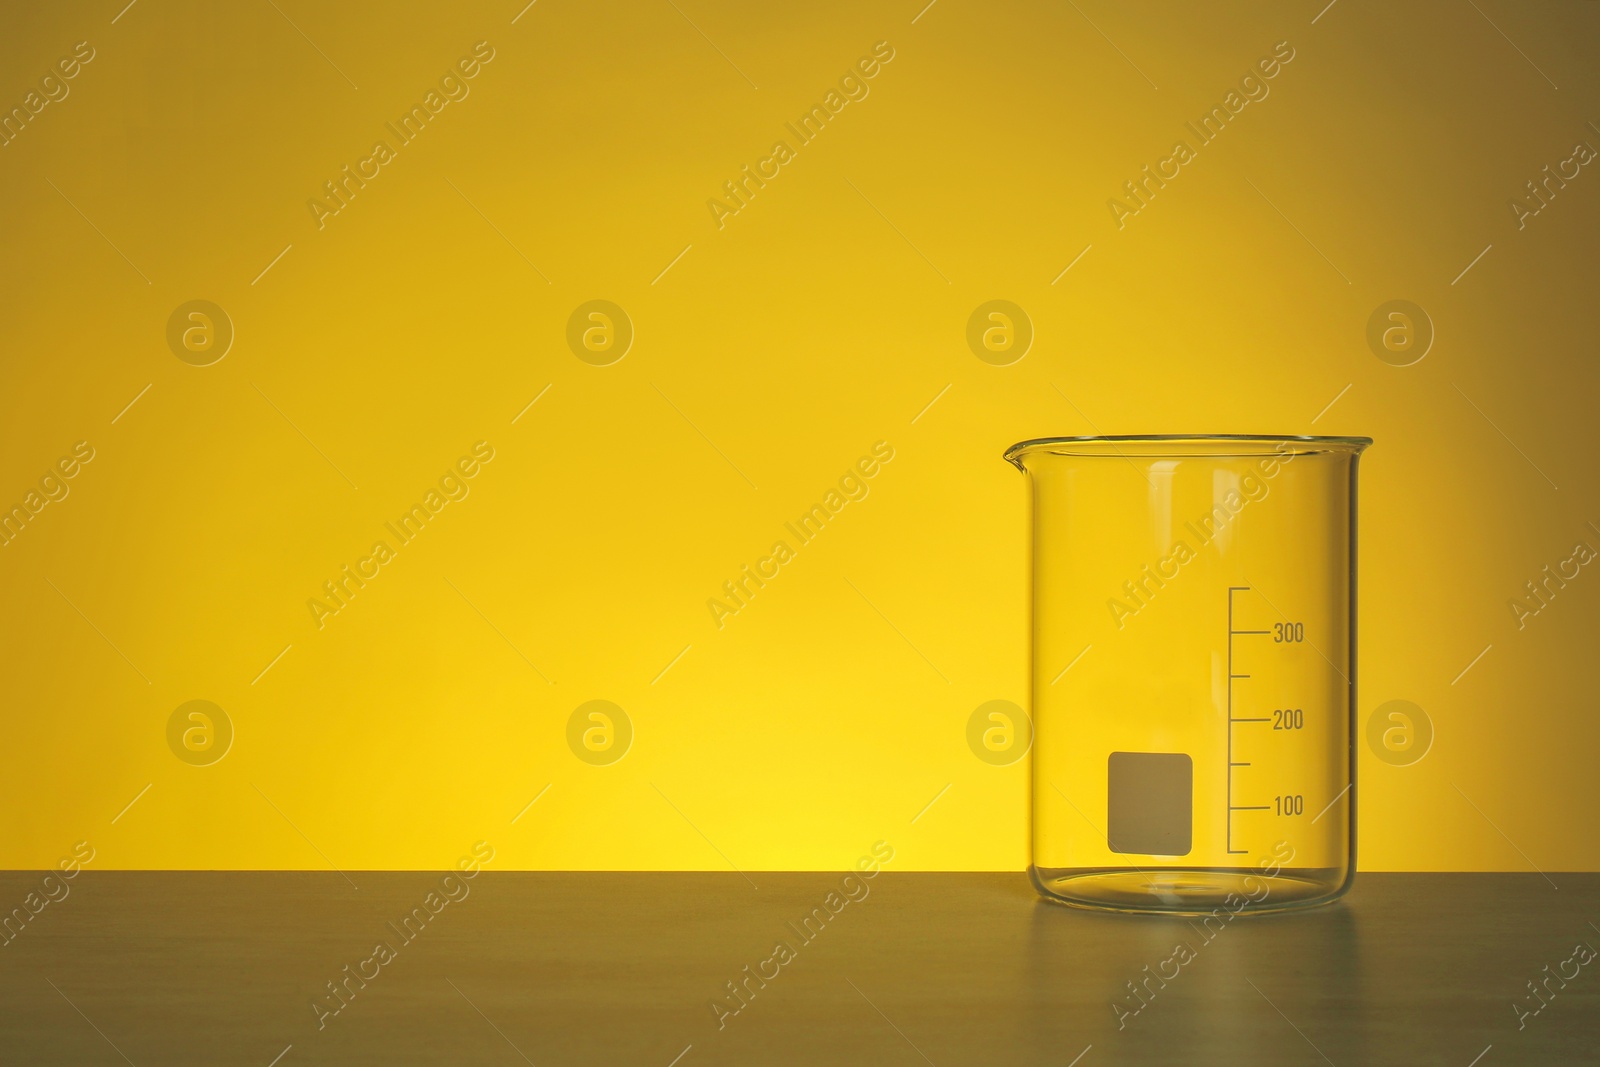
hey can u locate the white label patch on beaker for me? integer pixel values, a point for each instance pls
(1150, 803)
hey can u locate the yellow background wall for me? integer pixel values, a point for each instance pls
(769, 355)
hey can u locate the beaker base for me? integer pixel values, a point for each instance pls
(1190, 890)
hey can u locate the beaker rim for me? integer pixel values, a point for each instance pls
(1183, 445)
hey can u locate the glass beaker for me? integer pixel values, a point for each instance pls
(1193, 670)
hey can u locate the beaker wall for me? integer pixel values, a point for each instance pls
(1193, 670)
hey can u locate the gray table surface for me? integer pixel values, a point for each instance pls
(943, 969)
